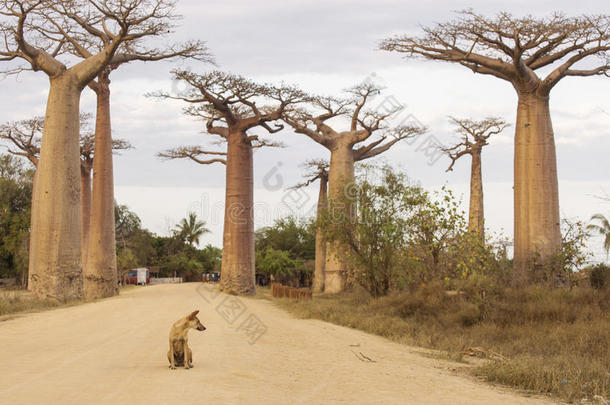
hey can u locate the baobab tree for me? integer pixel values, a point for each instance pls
(533, 54)
(474, 136)
(88, 157)
(318, 170)
(100, 274)
(25, 137)
(229, 105)
(55, 269)
(346, 148)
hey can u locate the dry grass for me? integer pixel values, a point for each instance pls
(16, 301)
(20, 301)
(552, 341)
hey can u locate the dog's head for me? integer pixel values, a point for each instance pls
(193, 321)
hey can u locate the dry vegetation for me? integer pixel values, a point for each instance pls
(21, 301)
(546, 341)
(14, 301)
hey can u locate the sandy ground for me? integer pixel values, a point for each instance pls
(114, 352)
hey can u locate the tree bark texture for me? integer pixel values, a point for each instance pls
(237, 271)
(341, 208)
(318, 276)
(55, 269)
(537, 227)
(476, 217)
(100, 272)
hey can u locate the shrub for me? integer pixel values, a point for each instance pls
(600, 276)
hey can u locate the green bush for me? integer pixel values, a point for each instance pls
(600, 276)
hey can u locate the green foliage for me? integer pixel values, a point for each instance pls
(176, 254)
(291, 235)
(15, 201)
(189, 230)
(600, 276)
(126, 222)
(402, 236)
(380, 231)
(126, 260)
(558, 270)
(275, 262)
(286, 249)
(602, 228)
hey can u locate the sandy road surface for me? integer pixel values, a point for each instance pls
(113, 352)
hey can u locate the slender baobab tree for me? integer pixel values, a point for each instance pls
(229, 106)
(533, 54)
(474, 136)
(318, 170)
(55, 269)
(25, 137)
(87, 165)
(100, 274)
(362, 124)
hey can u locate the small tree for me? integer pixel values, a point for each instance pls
(533, 54)
(190, 229)
(474, 136)
(15, 202)
(229, 105)
(603, 229)
(378, 240)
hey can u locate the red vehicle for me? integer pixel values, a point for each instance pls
(138, 277)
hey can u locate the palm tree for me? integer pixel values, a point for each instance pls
(603, 229)
(190, 229)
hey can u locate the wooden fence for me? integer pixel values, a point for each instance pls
(282, 291)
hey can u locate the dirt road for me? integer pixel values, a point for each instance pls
(114, 352)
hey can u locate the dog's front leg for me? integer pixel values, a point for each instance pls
(187, 356)
(170, 356)
(190, 354)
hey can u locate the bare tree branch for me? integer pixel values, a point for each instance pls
(474, 136)
(317, 169)
(514, 48)
(193, 153)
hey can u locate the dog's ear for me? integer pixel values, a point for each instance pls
(193, 314)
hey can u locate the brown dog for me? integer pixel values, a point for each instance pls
(179, 353)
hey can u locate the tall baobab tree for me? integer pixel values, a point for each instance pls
(318, 170)
(474, 136)
(229, 106)
(88, 195)
(345, 148)
(100, 274)
(26, 136)
(55, 269)
(533, 54)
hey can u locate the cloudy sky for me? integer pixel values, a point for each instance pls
(324, 47)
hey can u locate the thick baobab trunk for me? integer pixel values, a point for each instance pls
(537, 228)
(85, 187)
(100, 271)
(341, 208)
(475, 215)
(55, 269)
(318, 275)
(237, 271)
